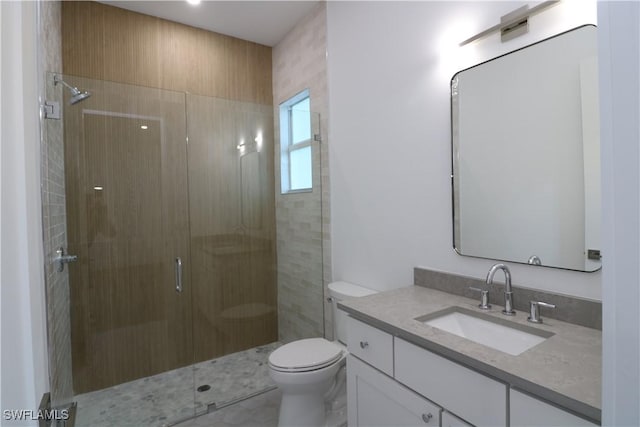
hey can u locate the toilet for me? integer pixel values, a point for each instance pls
(310, 372)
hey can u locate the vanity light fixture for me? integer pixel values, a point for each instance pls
(513, 24)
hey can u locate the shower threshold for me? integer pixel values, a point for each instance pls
(167, 398)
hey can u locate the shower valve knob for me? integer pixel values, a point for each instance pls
(364, 344)
(61, 259)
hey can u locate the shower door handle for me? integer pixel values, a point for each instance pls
(178, 275)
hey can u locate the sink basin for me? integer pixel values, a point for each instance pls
(508, 337)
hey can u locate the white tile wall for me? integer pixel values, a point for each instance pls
(303, 220)
(54, 212)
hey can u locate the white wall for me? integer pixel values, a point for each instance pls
(23, 341)
(389, 69)
(619, 44)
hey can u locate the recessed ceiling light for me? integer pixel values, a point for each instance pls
(193, 2)
(145, 127)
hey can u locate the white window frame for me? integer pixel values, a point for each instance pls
(286, 146)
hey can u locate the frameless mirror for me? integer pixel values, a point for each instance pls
(526, 155)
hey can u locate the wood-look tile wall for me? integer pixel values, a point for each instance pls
(232, 226)
(107, 43)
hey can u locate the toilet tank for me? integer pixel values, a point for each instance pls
(339, 291)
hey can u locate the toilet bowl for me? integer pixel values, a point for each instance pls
(309, 372)
(305, 371)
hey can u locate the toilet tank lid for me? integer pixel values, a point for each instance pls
(343, 290)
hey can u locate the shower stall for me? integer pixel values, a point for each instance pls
(168, 202)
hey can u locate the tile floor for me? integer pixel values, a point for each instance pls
(262, 411)
(165, 398)
(258, 411)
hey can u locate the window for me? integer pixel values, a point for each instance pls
(295, 144)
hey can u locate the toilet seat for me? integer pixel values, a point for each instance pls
(305, 355)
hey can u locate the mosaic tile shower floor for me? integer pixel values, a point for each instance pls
(168, 397)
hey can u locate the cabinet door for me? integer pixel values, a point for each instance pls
(450, 420)
(473, 396)
(376, 400)
(527, 411)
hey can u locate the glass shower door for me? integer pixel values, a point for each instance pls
(172, 306)
(128, 223)
(231, 196)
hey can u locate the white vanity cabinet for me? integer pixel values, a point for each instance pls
(392, 382)
(377, 400)
(527, 411)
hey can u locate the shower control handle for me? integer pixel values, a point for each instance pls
(61, 259)
(364, 344)
(178, 275)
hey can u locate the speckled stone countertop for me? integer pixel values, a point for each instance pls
(564, 369)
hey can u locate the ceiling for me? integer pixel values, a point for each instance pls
(265, 22)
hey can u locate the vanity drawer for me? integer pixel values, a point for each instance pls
(474, 397)
(371, 345)
(527, 411)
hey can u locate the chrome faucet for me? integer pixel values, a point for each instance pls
(534, 260)
(508, 292)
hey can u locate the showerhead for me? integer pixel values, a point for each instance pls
(77, 95)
